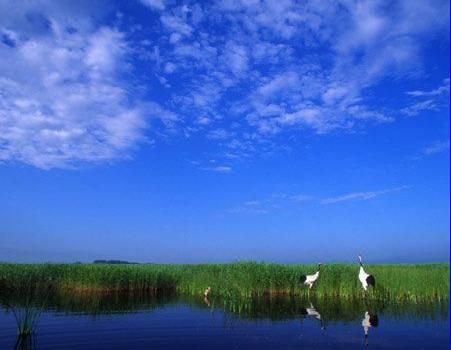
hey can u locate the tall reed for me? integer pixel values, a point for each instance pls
(394, 282)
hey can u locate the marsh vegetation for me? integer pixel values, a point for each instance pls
(414, 283)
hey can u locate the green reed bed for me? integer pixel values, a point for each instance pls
(396, 282)
(81, 277)
(243, 279)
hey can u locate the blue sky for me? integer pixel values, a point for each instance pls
(181, 131)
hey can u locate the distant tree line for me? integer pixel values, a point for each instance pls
(113, 262)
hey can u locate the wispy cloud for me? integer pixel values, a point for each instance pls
(154, 4)
(443, 89)
(432, 103)
(286, 201)
(219, 169)
(436, 147)
(363, 196)
(252, 210)
(417, 108)
(301, 197)
(275, 201)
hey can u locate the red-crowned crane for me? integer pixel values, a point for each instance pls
(207, 296)
(365, 278)
(309, 280)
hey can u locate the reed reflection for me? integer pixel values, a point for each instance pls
(25, 342)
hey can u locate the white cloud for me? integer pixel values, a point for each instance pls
(62, 100)
(436, 147)
(333, 94)
(176, 25)
(237, 72)
(154, 4)
(251, 210)
(220, 169)
(301, 197)
(204, 120)
(288, 202)
(433, 101)
(236, 58)
(255, 71)
(280, 83)
(443, 89)
(361, 195)
(170, 67)
(417, 108)
(275, 201)
(252, 207)
(219, 134)
(252, 203)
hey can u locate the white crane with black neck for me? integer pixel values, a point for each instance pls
(309, 280)
(365, 278)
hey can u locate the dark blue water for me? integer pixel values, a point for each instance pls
(188, 324)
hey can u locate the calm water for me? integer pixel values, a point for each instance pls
(143, 322)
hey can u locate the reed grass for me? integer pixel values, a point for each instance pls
(26, 319)
(33, 296)
(415, 283)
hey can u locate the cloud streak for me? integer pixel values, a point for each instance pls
(220, 169)
(361, 196)
(431, 103)
(286, 200)
(436, 92)
(436, 147)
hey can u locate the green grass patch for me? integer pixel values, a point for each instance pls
(415, 283)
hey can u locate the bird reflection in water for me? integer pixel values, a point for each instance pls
(311, 312)
(369, 320)
(207, 296)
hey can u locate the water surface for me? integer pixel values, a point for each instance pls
(124, 321)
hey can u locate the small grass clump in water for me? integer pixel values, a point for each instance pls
(26, 319)
(243, 279)
(26, 299)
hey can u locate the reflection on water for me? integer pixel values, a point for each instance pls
(25, 342)
(313, 313)
(136, 320)
(369, 320)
